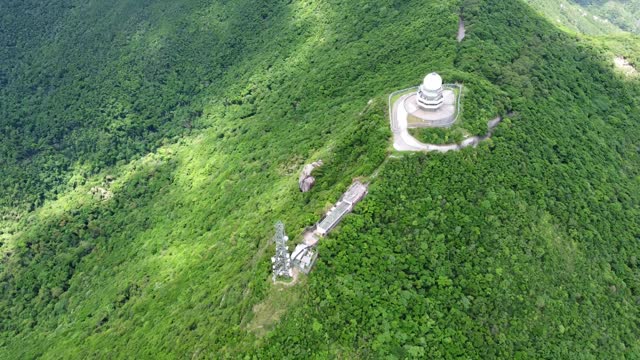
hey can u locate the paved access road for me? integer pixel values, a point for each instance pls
(403, 141)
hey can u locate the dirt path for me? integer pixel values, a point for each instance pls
(462, 32)
(295, 273)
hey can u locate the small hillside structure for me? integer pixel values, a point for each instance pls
(354, 194)
(303, 257)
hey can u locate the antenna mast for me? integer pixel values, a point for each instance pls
(281, 262)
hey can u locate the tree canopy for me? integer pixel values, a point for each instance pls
(196, 117)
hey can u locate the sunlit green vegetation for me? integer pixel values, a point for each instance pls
(509, 250)
(625, 14)
(592, 17)
(439, 135)
(198, 115)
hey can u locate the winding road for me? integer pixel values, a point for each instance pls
(403, 141)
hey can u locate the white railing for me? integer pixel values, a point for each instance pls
(458, 98)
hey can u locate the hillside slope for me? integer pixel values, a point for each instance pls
(623, 13)
(197, 116)
(524, 248)
(592, 17)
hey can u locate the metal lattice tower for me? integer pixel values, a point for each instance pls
(281, 263)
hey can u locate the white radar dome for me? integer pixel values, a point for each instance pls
(432, 82)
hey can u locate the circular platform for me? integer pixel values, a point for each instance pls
(443, 117)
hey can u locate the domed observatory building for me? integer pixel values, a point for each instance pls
(433, 105)
(430, 95)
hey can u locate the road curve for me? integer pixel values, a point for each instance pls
(403, 141)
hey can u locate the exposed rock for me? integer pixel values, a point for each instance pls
(101, 193)
(625, 66)
(306, 181)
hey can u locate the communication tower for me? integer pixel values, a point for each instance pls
(281, 262)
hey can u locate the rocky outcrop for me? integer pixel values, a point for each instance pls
(625, 66)
(101, 193)
(306, 181)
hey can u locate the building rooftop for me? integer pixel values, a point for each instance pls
(298, 253)
(303, 257)
(334, 216)
(354, 193)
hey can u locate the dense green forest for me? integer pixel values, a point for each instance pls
(196, 116)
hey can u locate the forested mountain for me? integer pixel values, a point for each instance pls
(149, 147)
(592, 17)
(623, 13)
